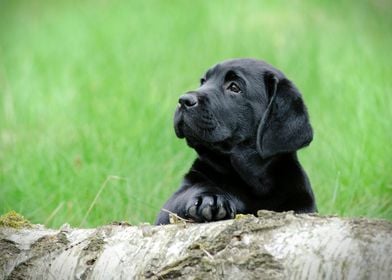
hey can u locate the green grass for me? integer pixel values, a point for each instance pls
(87, 91)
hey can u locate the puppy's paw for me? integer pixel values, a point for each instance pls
(210, 207)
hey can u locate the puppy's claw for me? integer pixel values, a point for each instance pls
(207, 213)
(232, 213)
(192, 211)
(221, 213)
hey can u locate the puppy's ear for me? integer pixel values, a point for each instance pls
(285, 125)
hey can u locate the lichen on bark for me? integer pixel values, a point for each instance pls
(14, 220)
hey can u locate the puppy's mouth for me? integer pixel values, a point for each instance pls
(179, 124)
(202, 128)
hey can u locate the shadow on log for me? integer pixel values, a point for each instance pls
(271, 246)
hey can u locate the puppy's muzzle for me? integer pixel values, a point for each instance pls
(188, 101)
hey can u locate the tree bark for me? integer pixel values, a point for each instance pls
(271, 246)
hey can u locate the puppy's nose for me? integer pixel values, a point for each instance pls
(188, 100)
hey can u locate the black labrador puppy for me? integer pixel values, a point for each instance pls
(246, 121)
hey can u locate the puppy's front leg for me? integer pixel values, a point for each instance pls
(200, 203)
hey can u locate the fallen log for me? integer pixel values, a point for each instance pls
(271, 246)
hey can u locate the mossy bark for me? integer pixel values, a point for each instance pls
(271, 246)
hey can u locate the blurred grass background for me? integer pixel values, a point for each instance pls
(88, 89)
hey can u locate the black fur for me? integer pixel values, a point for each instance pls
(246, 121)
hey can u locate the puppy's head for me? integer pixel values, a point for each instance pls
(244, 101)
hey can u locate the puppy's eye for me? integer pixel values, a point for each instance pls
(234, 87)
(202, 81)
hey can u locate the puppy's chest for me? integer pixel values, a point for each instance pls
(230, 182)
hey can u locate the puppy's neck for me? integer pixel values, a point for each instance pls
(220, 162)
(224, 160)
